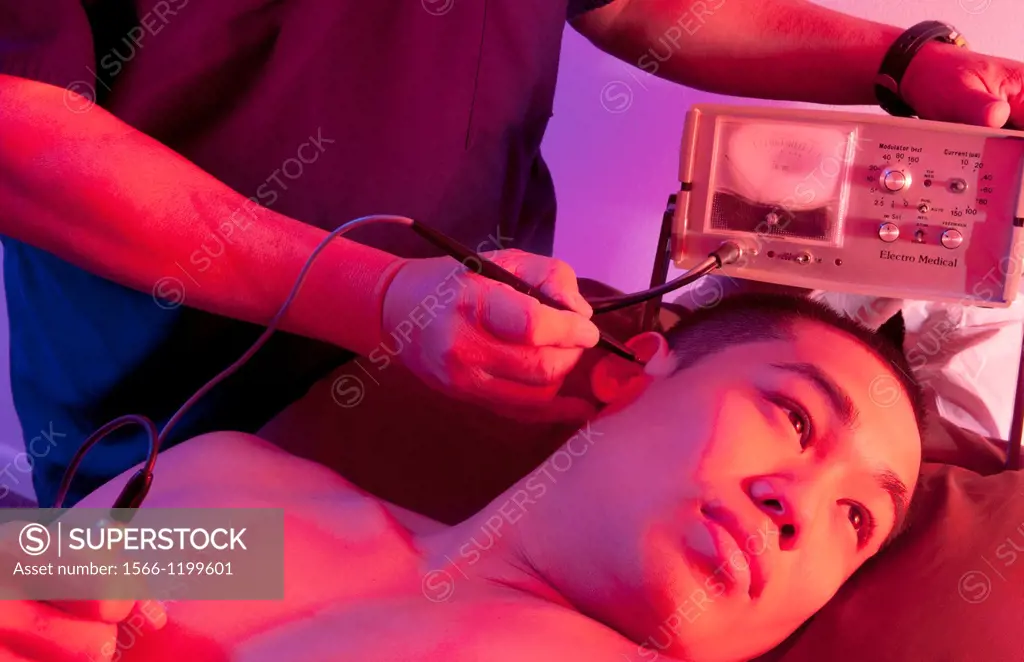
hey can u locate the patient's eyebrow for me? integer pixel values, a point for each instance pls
(842, 404)
(897, 491)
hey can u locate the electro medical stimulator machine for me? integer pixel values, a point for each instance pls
(847, 202)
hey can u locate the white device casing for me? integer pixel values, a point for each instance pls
(851, 202)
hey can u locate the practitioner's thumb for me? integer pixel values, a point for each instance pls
(979, 107)
(961, 101)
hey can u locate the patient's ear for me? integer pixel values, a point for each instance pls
(614, 378)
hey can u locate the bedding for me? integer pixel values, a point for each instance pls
(967, 357)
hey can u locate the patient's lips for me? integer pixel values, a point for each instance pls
(747, 551)
(714, 552)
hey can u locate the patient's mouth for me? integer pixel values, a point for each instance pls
(745, 555)
(712, 550)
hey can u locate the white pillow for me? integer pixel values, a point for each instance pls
(967, 357)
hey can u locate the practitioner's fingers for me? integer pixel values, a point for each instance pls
(150, 613)
(102, 611)
(43, 633)
(512, 317)
(552, 276)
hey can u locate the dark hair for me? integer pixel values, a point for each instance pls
(748, 318)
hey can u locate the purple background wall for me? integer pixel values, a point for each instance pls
(613, 148)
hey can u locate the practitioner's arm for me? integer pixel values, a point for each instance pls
(797, 50)
(103, 196)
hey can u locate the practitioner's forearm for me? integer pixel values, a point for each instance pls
(770, 49)
(103, 196)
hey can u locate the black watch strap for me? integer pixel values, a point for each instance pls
(897, 61)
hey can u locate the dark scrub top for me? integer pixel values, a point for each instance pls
(323, 110)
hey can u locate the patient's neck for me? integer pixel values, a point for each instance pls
(484, 554)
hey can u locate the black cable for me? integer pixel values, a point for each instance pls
(137, 487)
(138, 484)
(135, 491)
(727, 253)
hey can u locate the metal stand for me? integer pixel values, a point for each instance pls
(662, 262)
(1013, 453)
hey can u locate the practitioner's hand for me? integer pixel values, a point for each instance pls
(482, 341)
(951, 84)
(82, 631)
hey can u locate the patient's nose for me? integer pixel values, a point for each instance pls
(774, 498)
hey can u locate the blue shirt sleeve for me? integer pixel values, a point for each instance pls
(579, 7)
(50, 42)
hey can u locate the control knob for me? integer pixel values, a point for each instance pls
(889, 232)
(894, 180)
(952, 238)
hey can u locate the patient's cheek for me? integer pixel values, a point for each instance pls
(740, 435)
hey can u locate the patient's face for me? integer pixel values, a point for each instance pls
(728, 502)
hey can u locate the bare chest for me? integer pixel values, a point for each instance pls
(412, 628)
(337, 554)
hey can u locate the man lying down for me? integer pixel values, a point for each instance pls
(726, 493)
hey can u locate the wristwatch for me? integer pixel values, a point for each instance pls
(898, 58)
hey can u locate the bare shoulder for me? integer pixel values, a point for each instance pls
(239, 470)
(470, 629)
(211, 469)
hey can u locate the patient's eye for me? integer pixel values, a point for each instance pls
(862, 521)
(799, 424)
(856, 518)
(798, 418)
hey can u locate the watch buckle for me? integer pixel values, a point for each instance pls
(888, 82)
